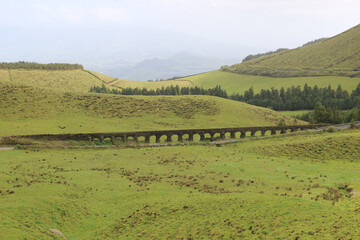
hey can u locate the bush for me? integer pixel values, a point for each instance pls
(331, 129)
(281, 123)
(18, 147)
(352, 124)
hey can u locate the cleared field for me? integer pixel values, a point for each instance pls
(28, 110)
(279, 188)
(69, 80)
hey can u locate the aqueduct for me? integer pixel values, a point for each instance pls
(189, 133)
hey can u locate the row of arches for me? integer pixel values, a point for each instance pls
(205, 135)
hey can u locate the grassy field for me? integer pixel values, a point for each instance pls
(238, 83)
(82, 80)
(69, 80)
(337, 55)
(28, 110)
(153, 85)
(294, 113)
(278, 188)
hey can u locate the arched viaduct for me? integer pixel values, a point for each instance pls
(181, 134)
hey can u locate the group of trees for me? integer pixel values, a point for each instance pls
(39, 66)
(297, 98)
(170, 90)
(253, 56)
(329, 103)
(320, 114)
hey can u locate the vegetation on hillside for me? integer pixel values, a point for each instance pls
(39, 66)
(295, 98)
(339, 55)
(314, 41)
(320, 114)
(169, 90)
(28, 110)
(238, 83)
(250, 57)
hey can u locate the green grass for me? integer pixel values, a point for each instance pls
(263, 189)
(294, 113)
(238, 83)
(28, 110)
(152, 85)
(69, 80)
(334, 56)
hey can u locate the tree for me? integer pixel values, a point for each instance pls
(319, 114)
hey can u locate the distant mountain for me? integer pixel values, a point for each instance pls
(339, 55)
(105, 49)
(178, 65)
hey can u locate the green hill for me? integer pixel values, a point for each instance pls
(59, 80)
(339, 55)
(29, 110)
(238, 83)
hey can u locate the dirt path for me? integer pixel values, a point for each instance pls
(6, 148)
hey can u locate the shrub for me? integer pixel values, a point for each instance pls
(281, 123)
(352, 124)
(331, 129)
(18, 147)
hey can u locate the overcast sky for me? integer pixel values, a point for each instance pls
(262, 23)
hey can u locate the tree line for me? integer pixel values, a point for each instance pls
(297, 98)
(169, 90)
(39, 66)
(320, 114)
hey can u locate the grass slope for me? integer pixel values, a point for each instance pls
(278, 188)
(336, 55)
(238, 83)
(28, 110)
(69, 80)
(152, 85)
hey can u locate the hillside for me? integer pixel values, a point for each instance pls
(29, 110)
(68, 80)
(294, 187)
(238, 83)
(339, 55)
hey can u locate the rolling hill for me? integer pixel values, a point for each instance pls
(339, 55)
(30, 110)
(238, 83)
(61, 80)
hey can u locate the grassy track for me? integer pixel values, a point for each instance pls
(250, 190)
